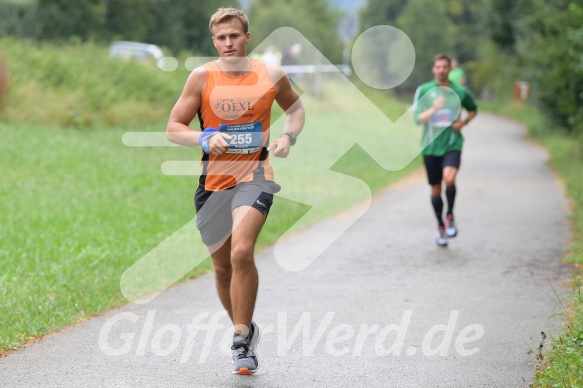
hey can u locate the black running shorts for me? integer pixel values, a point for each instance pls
(434, 165)
(214, 209)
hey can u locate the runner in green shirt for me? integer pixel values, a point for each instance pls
(457, 74)
(437, 107)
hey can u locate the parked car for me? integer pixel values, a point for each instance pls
(136, 51)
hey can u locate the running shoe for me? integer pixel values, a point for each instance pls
(255, 338)
(450, 227)
(243, 364)
(441, 239)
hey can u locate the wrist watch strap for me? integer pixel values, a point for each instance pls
(292, 137)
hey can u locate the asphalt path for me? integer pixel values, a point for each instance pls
(382, 307)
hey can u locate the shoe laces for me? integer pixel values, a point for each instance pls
(242, 349)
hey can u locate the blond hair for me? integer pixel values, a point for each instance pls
(225, 15)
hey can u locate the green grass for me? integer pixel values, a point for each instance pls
(562, 366)
(79, 86)
(79, 208)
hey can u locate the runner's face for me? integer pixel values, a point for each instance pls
(230, 39)
(440, 70)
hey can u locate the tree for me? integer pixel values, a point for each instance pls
(134, 19)
(59, 19)
(465, 17)
(18, 19)
(176, 24)
(195, 19)
(379, 12)
(499, 21)
(430, 29)
(313, 18)
(452, 27)
(550, 42)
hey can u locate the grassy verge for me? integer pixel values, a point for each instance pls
(79, 207)
(562, 366)
(78, 86)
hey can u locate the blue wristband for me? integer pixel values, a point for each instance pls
(203, 139)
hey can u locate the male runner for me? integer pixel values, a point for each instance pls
(457, 74)
(233, 97)
(442, 139)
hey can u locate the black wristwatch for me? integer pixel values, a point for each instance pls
(292, 137)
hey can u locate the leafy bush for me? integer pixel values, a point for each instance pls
(550, 44)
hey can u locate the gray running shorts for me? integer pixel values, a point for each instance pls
(214, 209)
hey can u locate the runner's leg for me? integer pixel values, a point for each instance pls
(433, 166)
(247, 223)
(451, 165)
(437, 203)
(221, 257)
(449, 175)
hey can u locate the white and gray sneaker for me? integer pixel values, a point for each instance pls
(255, 338)
(243, 364)
(441, 238)
(450, 227)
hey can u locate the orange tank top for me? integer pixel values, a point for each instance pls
(241, 107)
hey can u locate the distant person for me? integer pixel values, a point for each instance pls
(291, 55)
(255, 55)
(485, 94)
(457, 74)
(442, 153)
(233, 97)
(271, 57)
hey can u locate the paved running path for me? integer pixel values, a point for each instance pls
(490, 285)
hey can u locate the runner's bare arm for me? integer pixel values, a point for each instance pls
(289, 100)
(459, 123)
(438, 103)
(185, 109)
(470, 116)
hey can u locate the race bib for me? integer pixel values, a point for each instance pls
(247, 138)
(442, 118)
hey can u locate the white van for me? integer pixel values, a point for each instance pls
(141, 52)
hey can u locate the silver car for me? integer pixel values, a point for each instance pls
(136, 51)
